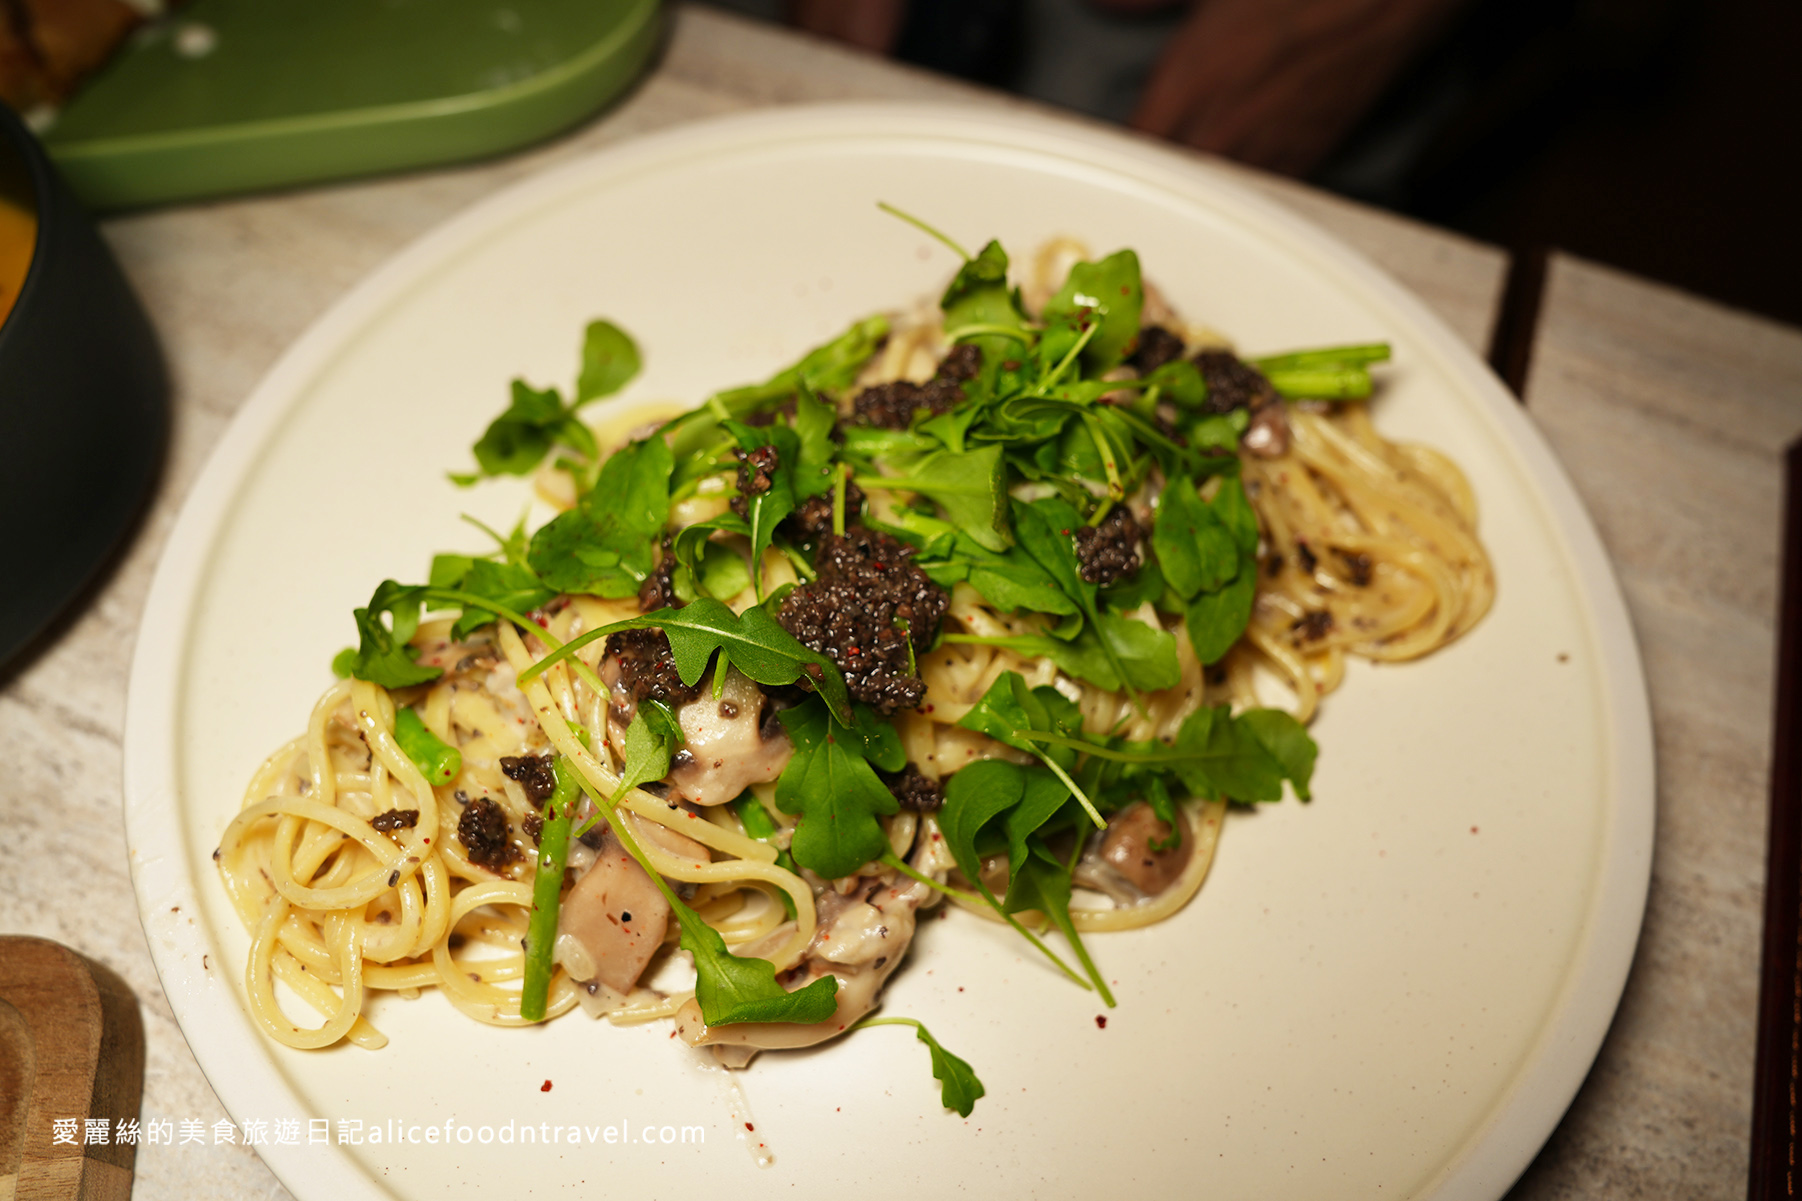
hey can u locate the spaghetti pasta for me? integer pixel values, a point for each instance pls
(769, 644)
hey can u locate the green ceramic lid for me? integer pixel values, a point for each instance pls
(234, 95)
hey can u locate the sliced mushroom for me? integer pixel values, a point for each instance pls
(617, 912)
(724, 752)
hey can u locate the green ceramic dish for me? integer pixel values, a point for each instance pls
(239, 95)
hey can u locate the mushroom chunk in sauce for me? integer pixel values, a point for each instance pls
(617, 912)
(1130, 847)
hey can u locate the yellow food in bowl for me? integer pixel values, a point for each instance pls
(18, 238)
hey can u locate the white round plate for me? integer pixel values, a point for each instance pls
(1392, 991)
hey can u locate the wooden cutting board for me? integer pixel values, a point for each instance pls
(71, 1047)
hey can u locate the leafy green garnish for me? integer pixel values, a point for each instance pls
(959, 1087)
(1209, 554)
(382, 655)
(751, 642)
(610, 361)
(830, 783)
(970, 486)
(516, 442)
(1042, 881)
(651, 739)
(1106, 295)
(513, 585)
(1216, 754)
(732, 989)
(437, 760)
(603, 546)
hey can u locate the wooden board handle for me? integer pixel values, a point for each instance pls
(71, 1047)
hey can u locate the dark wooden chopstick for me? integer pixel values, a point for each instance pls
(1775, 1172)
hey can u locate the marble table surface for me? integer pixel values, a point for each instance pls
(1670, 413)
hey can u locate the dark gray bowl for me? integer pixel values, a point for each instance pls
(83, 404)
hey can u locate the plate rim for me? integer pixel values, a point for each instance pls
(1554, 1067)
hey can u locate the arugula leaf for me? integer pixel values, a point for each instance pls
(1046, 529)
(1108, 293)
(382, 655)
(1009, 707)
(1287, 742)
(834, 366)
(1180, 380)
(830, 784)
(959, 1087)
(650, 739)
(1041, 798)
(1216, 620)
(813, 423)
(705, 567)
(971, 488)
(1225, 758)
(1208, 550)
(1009, 710)
(978, 298)
(610, 360)
(517, 441)
(881, 742)
(437, 761)
(732, 989)
(1043, 882)
(537, 419)
(515, 586)
(1011, 581)
(1081, 658)
(723, 572)
(752, 642)
(974, 794)
(603, 545)
(1146, 656)
(1234, 510)
(831, 368)
(1194, 547)
(1215, 754)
